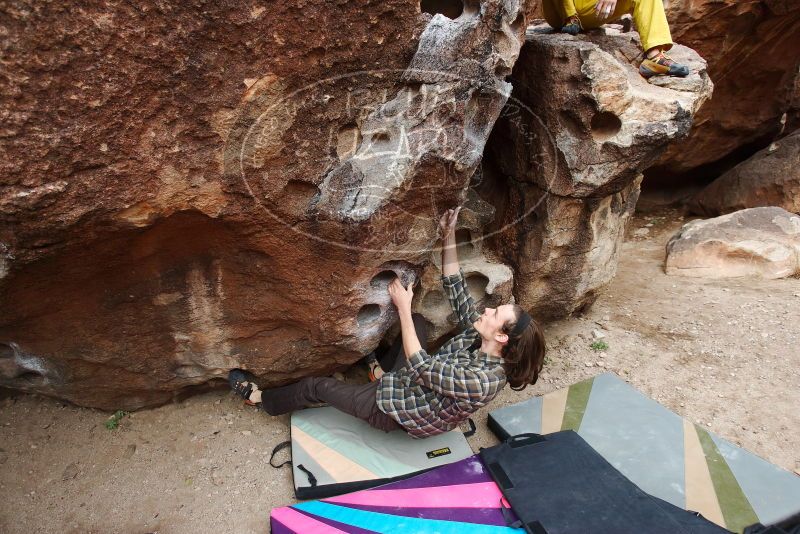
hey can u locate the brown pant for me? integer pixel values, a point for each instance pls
(358, 400)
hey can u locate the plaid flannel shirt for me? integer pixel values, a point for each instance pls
(433, 394)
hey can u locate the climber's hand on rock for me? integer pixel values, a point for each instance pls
(447, 223)
(605, 8)
(401, 296)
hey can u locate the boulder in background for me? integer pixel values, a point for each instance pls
(756, 242)
(770, 177)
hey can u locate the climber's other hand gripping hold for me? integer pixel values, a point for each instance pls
(401, 296)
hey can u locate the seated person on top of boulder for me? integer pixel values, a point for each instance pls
(425, 394)
(572, 16)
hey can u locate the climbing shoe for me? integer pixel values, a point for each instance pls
(572, 26)
(375, 369)
(662, 65)
(242, 383)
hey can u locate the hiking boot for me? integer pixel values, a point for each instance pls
(662, 65)
(572, 26)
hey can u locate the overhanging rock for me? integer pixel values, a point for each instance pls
(238, 192)
(191, 187)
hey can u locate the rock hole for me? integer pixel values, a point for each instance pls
(369, 313)
(451, 9)
(476, 283)
(190, 371)
(389, 270)
(316, 54)
(605, 125)
(299, 188)
(381, 137)
(472, 7)
(516, 26)
(6, 351)
(382, 279)
(30, 378)
(8, 365)
(464, 245)
(572, 124)
(297, 195)
(502, 70)
(584, 308)
(347, 141)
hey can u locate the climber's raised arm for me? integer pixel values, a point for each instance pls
(447, 223)
(453, 282)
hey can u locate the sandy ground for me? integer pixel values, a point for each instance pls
(722, 353)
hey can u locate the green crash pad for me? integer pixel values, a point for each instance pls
(664, 454)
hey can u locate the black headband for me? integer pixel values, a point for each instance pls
(522, 323)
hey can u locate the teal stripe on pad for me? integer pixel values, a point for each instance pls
(386, 523)
(351, 445)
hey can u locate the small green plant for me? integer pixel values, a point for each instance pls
(599, 345)
(113, 421)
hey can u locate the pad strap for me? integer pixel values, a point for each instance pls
(311, 478)
(279, 447)
(472, 428)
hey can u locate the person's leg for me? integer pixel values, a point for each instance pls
(651, 23)
(394, 358)
(286, 399)
(556, 12)
(357, 400)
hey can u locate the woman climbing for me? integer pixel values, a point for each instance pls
(421, 393)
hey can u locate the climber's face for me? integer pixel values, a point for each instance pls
(490, 324)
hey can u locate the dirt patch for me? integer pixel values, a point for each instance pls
(723, 353)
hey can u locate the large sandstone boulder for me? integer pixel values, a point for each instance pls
(771, 177)
(191, 187)
(753, 53)
(756, 242)
(564, 162)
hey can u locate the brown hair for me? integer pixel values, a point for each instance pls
(523, 355)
